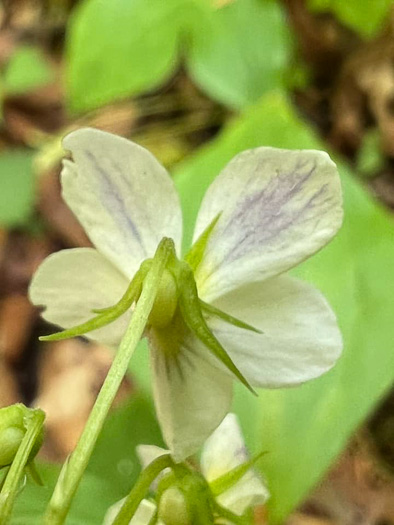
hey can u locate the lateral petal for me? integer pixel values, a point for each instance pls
(71, 283)
(300, 338)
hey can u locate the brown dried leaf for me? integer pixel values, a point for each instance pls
(71, 375)
(17, 316)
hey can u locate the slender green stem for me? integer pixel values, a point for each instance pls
(11, 484)
(140, 489)
(73, 470)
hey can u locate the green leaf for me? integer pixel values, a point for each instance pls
(121, 48)
(112, 471)
(16, 187)
(127, 47)
(363, 16)
(241, 52)
(27, 69)
(303, 429)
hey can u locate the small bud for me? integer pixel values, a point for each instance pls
(13, 425)
(173, 507)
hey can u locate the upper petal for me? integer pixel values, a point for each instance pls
(71, 283)
(300, 340)
(277, 208)
(191, 395)
(223, 451)
(122, 196)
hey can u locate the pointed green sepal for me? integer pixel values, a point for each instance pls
(229, 479)
(191, 312)
(211, 310)
(196, 252)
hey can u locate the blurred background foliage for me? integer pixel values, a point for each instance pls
(197, 81)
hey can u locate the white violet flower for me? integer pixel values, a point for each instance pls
(267, 211)
(222, 453)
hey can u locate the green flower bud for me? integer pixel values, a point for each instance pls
(173, 507)
(13, 425)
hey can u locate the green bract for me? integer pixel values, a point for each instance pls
(226, 310)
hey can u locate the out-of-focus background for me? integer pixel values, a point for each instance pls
(197, 81)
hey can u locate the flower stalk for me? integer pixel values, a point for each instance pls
(74, 468)
(140, 489)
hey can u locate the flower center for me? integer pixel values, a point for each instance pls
(165, 303)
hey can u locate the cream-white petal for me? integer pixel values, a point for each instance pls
(71, 283)
(148, 453)
(191, 395)
(143, 514)
(122, 196)
(277, 207)
(300, 340)
(223, 451)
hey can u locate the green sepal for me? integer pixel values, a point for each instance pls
(229, 479)
(106, 315)
(191, 312)
(211, 310)
(196, 252)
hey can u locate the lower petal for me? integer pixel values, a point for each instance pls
(71, 283)
(191, 395)
(300, 338)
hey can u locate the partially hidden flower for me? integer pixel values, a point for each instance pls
(223, 454)
(267, 211)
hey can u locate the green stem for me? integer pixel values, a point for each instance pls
(11, 484)
(73, 470)
(140, 489)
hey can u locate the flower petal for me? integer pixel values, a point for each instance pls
(148, 453)
(300, 340)
(224, 451)
(277, 208)
(122, 196)
(71, 283)
(142, 516)
(191, 395)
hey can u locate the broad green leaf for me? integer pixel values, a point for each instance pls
(122, 47)
(111, 473)
(27, 69)
(127, 47)
(303, 429)
(241, 52)
(16, 187)
(364, 16)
